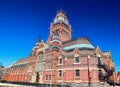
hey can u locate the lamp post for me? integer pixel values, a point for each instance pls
(88, 62)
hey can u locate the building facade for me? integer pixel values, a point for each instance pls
(1, 71)
(63, 60)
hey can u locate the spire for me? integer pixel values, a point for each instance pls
(61, 11)
(61, 24)
(60, 17)
(39, 39)
(98, 49)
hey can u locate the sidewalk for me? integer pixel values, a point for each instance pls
(13, 85)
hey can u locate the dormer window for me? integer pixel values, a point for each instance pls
(76, 59)
(60, 61)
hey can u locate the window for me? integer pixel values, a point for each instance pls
(77, 84)
(76, 59)
(39, 67)
(50, 77)
(41, 56)
(46, 77)
(60, 61)
(49, 65)
(60, 73)
(77, 73)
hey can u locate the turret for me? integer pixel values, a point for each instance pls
(37, 45)
(62, 26)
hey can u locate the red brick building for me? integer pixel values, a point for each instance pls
(63, 60)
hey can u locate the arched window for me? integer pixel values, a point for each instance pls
(60, 60)
(41, 56)
(49, 65)
(76, 58)
(60, 73)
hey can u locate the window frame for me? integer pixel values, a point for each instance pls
(46, 77)
(77, 76)
(61, 61)
(78, 60)
(50, 77)
(40, 58)
(49, 65)
(60, 73)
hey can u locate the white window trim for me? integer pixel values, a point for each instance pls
(75, 74)
(76, 55)
(60, 57)
(75, 60)
(61, 74)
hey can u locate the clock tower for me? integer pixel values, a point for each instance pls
(62, 26)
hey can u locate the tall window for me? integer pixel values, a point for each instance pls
(60, 61)
(77, 73)
(60, 73)
(46, 77)
(50, 77)
(76, 59)
(41, 56)
(49, 65)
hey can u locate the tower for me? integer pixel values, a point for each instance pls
(60, 24)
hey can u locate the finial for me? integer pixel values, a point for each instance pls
(39, 39)
(97, 46)
(57, 10)
(61, 10)
(109, 51)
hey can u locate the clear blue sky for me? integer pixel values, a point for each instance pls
(23, 21)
